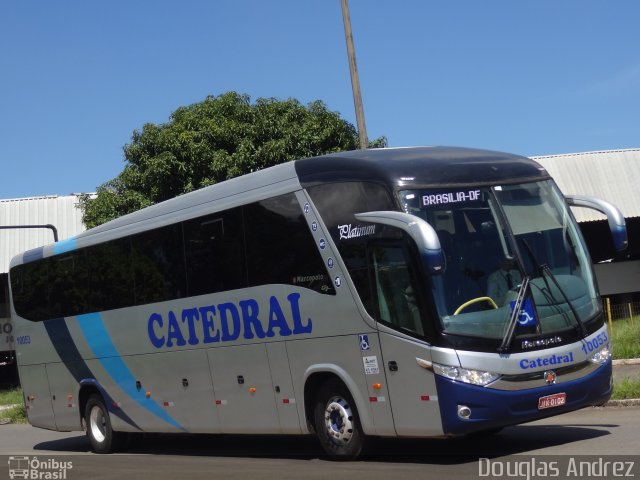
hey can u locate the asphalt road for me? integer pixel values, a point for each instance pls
(601, 432)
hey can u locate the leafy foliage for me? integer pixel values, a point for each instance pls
(217, 139)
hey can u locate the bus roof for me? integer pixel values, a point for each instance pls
(407, 167)
(419, 166)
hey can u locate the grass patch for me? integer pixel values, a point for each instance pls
(16, 414)
(627, 388)
(11, 397)
(625, 338)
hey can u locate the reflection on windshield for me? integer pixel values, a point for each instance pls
(492, 239)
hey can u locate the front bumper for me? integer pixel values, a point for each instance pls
(492, 408)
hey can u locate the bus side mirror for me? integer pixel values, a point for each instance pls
(420, 231)
(615, 218)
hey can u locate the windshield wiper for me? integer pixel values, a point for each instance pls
(515, 313)
(546, 270)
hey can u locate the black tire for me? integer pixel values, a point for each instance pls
(98, 424)
(337, 422)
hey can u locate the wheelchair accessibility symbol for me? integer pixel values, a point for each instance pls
(364, 342)
(527, 316)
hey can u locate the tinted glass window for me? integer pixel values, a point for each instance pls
(68, 284)
(30, 290)
(263, 243)
(158, 265)
(337, 204)
(110, 276)
(215, 253)
(355, 257)
(280, 247)
(396, 292)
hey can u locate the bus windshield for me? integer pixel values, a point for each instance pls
(513, 258)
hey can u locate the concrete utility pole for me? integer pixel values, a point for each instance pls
(355, 80)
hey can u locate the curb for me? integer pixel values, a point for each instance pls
(627, 402)
(627, 361)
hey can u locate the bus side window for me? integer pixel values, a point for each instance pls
(110, 283)
(158, 265)
(215, 253)
(280, 247)
(30, 288)
(68, 284)
(395, 289)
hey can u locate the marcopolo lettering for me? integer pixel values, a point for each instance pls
(546, 361)
(226, 322)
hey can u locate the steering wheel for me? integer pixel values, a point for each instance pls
(489, 300)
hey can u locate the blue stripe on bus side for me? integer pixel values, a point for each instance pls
(65, 246)
(98, 338)
(68, 352)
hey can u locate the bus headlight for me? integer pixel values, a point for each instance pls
(602, 356)
(474, 377)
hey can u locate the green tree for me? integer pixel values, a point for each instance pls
(215, 140)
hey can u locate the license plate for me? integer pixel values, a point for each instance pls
(550, 401)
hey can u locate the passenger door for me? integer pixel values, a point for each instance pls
(412, 388)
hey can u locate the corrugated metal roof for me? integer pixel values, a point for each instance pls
(59, 211)
(612, 175)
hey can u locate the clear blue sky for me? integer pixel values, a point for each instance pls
(77, 77)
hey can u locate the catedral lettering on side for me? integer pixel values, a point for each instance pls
(526, 363)
(226, 321)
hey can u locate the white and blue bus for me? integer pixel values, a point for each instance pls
(350, 295)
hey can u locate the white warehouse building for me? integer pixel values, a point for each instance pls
(612, 175)
(62, 212)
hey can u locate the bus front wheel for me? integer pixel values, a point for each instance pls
(337, 423)
(99, 432)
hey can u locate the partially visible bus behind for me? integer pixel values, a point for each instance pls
(8, 366)
(346, 295)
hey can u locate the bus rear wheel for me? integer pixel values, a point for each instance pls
(99, 432)
(337, 423)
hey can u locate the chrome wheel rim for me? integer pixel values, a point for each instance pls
(97, 424)
(339, 421)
